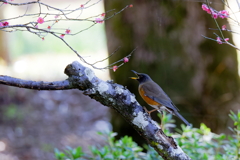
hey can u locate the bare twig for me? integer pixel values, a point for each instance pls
(128, 56)
(107, 57)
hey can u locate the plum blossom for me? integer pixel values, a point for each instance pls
(8, 1)
(206, 8)
(67, 31)
(223, 14)
(125, 59)
(40, 20)
(224, 27)
(3, 24)
(62, 35)
(115, 68)
(98, 20)
(214, 15)
(219, 41)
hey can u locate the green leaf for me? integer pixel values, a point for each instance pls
(59, 155)
(77, 152)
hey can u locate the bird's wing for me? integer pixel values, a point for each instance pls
(155, 92)
(165, 103)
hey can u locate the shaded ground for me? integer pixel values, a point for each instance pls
(33, 123)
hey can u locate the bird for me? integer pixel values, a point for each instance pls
(154, 96)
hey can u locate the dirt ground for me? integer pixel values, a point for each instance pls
(33, 123)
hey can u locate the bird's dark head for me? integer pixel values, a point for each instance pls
(141, 77)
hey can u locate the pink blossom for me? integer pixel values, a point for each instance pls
(125, 59)
(210, 11)
(49, 27)
(36, 26)
(226, 39)
(5, 23)
(219, 41)
(98, 20)
(7, 1)
(103, 14)
(130, 6)
(67, 31)
(81, 6)
(115, 68)
(62, 35)
(214, 15)
(206, 8)
(224, 27)
(40, 20)
(223, 14)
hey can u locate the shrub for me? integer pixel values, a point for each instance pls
(198, 143)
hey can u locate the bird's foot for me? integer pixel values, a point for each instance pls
(149, 112)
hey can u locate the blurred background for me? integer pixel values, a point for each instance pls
(200, 75)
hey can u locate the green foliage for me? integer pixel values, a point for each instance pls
(198, 143)
(124, 148)
(201, 143)
(12, 112)
(69, 153)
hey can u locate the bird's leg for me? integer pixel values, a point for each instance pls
(145, 109)
(149, 112)
(162, 126)
(161, 112)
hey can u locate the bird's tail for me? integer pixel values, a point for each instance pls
(181, 117)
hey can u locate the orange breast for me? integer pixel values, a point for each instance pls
(147, 99)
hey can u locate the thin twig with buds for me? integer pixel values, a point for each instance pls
(59, 15)
(222, 14)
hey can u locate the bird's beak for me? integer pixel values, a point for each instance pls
(135, 73)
